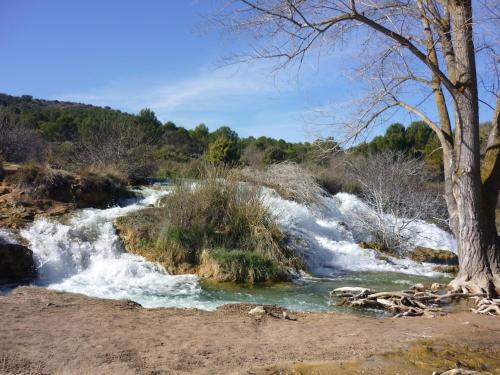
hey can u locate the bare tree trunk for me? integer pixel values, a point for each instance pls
(490, 175)
(473, 232)
(448, 39)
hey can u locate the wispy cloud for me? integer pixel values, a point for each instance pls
(247, 98)
(207, 90)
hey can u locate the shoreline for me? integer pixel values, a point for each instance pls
(49, 332)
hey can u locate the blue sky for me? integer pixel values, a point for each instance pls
(135, 54)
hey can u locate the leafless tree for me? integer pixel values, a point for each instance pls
(113, 144)
(19, 143)
(394, 188)
(412, 51)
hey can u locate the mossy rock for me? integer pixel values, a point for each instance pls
(428, 255)
(373, 245)
(453, 270)
(239, 266)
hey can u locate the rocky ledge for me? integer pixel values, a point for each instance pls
(27, 192)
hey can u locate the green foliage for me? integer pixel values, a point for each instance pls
(223, 150)
(417, 135)
(224, 132)
(418, 140)
(217, 213)
(433, 154)
(273, 154)
(395, 138)
(246, 266)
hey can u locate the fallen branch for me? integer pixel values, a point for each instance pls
(417, 301)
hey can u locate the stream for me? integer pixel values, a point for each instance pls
(83, 254)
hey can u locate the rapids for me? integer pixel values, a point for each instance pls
(85, 255)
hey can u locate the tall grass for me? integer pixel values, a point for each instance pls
(217, 212)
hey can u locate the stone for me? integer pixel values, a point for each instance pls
(453, 270)
(428, 255)
(16, 263)
(436, 287)
(257, 311)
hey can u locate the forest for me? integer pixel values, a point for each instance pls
(75, 136)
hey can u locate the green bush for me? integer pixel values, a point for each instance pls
(217, 212)
(246, 266)
(273, 155)
(223, 150)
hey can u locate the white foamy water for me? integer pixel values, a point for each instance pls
(7, 236)
(85, 254)
(329, 238)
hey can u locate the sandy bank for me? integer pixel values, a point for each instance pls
(46, 332)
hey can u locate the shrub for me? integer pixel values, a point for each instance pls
(395, 188)
(223, 150)
(217, 212)
(221, 212)
(273, 155)
(19, 143)
(240, 266)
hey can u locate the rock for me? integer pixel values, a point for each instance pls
(428, 255)
(436, 287)
(374, 246)
(446, 269)
(98, 191)
(16, 263)
(257, 311)
(418, 286)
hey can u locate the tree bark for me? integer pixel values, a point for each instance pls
(473, 234)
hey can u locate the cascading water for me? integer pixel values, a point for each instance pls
(330, 236)
(85, 255)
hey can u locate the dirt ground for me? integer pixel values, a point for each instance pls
(48, 332)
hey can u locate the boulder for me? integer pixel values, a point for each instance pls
(16, 263)
(98, 191)
(437, 287)
(428, 255)
(453, 270)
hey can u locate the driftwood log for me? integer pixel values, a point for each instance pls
(416, 301)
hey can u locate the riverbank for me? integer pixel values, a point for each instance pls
(48, 332)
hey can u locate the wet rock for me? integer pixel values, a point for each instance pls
(98, 191)
(16, 263)
(446, 269)
(418, 286)
(437, 287)
(428, 255)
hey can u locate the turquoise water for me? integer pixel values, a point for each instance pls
(309, 293)
(85, 255)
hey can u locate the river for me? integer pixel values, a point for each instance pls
(84, 254)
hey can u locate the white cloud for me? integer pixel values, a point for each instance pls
(211, 90)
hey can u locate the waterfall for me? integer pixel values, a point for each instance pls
(85, 255)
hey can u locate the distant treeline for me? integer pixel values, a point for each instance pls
(77, 136)
(417, 140)
(72, 135)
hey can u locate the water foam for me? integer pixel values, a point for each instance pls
(85, 254)
(329, 236)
